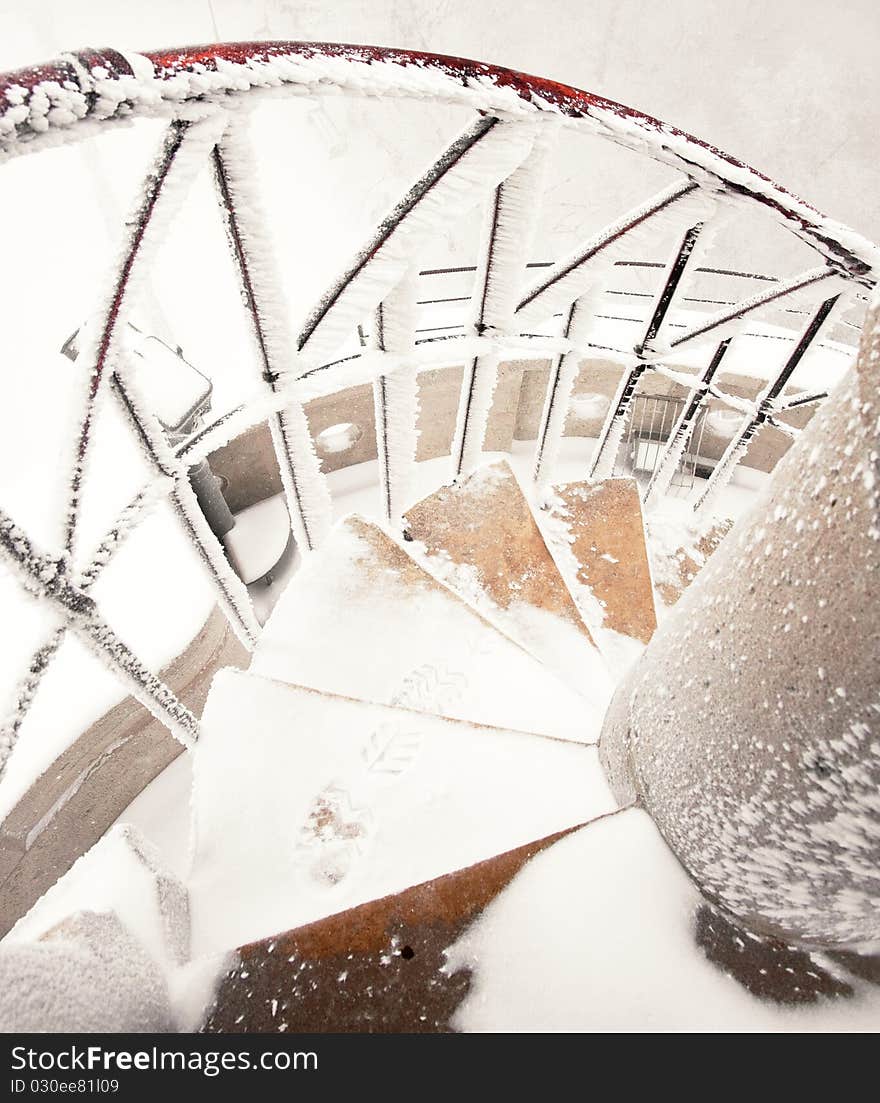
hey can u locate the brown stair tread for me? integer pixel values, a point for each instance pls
(606, 533)
(484, 522)
(674, 573)
(375, 968)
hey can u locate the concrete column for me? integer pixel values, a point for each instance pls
(750, 729)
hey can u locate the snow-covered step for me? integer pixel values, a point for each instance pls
(480, 537)
(597, 533)
(592, 929)
(305, 804)
(363, 619)
(677, 563)
(635, 947)
(378, 967)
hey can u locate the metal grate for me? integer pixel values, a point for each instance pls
(653, 419)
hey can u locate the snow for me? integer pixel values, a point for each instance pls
(88, 976)
(597, 934)
(555, 640)
(386, 622)
(259, 538)
(311, 804)
(107, 948)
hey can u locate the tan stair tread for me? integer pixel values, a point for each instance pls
(605, 530)
(480, 536)
(377, 968)
(363, 619)
(485, 523)
(673, 574)
(309, 803)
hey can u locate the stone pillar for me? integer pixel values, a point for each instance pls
(750, 729)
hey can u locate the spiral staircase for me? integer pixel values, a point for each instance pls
(418, 717)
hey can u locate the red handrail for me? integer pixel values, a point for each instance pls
(71, 87)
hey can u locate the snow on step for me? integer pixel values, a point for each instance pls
(86, 975)
(379, 967)
(677, 558)
(363, 619)
(597, 533)
(633, 946)
(480, 538)
(306, 804)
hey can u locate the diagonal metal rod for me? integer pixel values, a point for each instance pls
(615, 423)
(683, 428)
(598, 244)
(46, 578)
(112, 541)
(727, 318)
(450, 157)
(764, 408)
(171, 145)
(233, 596)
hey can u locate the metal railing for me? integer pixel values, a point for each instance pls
(516, 307)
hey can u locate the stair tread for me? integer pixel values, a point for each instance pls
(390, 951)
(364, 620)
(311, 803)
(675, 570)
(480, 537)
(549, 936)
(598, 534)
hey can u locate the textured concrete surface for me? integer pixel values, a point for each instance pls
(749, 729)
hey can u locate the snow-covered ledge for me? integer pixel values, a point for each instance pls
(750, 730)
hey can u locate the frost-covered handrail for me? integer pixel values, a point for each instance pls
(90, 86)
(496, 163)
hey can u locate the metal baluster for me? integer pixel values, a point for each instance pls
(764, 408)
(609, 439)
(305, 489)
(678, 438)
(563, 372)
(508, 229)
(396, 397)
(727, 318)
(138, 225)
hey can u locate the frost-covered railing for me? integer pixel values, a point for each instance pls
(517, 309)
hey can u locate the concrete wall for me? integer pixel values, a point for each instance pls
(250, 471)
